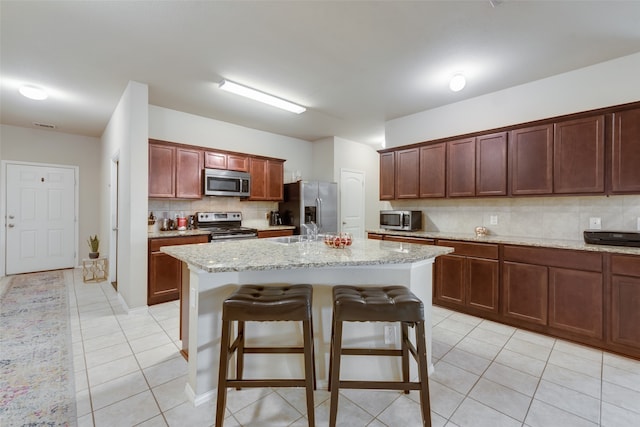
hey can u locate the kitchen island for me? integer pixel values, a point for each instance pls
(214, 270)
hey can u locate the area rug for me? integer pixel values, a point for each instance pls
(36, 366)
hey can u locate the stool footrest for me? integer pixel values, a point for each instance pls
(279, 350)
(370, 352)
(267, 383)
(380, 385)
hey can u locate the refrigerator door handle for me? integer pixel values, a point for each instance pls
(319, 213)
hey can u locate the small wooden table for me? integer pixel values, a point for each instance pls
(95, 269)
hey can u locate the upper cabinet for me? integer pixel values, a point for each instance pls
(229, 161)
(625, 153)
(531, 160)
(408, 177)
(267, 179)
(387, 176)
(578, 156)
(174, 172)
(432, 170)
(596, 152)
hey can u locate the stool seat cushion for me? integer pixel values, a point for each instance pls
(269, 303)
(376, 304)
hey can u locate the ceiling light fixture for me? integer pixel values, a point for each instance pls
(457, 82)
(33, 92)
(256, 95)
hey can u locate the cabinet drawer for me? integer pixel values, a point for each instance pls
(264, 234)
(156, 244)
(625, 265)
(562, 258)
(408, 239)
(477, 250)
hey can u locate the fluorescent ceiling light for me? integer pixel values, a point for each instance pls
(33, 92)
(256, 95)
(457, 82)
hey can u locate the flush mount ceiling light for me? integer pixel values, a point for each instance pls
(256, 95)
(33, 92)
(457, 82)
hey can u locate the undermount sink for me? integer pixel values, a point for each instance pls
(286, 240)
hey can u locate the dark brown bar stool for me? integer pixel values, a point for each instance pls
(379, 304)
(265, 304)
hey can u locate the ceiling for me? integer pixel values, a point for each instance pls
(354, 65)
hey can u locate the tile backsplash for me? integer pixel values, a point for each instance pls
(253, 213)
(541, 217)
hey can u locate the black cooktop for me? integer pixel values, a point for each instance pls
(612, 238)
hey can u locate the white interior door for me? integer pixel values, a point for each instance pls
(352, 196)
(41, 219)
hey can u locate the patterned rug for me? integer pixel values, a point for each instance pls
(36, 366)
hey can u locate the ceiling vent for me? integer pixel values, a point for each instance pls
(44, 125)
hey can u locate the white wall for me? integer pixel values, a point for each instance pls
(51, 147)
(601, 85)
(184, 128)
(126, 137)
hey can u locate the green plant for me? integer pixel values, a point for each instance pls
(94, 243)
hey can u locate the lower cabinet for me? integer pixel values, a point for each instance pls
(560, 290)
(624, 318)
(165, 272)
(262, 234)
(469, 277)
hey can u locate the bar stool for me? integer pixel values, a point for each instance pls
(379, 304)
(265, 304)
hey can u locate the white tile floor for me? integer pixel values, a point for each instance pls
(129, 372)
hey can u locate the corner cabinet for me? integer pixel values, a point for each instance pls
(165, 272)
(267, 179)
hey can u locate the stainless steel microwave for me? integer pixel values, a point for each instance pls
(401, 220)
(220, 182)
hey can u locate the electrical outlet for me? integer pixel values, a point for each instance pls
(493, 220)
(266, 215)
(389, 334)
(595, 223)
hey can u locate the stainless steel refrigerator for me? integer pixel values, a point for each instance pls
(311, 201)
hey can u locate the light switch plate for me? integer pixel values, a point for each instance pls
(595, 223)
(493, 220)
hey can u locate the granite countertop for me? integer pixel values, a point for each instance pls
(176, 233)
(268, 254)
(527, 241)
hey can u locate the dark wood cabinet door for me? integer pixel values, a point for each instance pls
(625, 311)
(531, 155)
(387, 176)
(525, 291)
(407, 173)
(258, 170)
(165, 277)
(215, 160)
(625, 158)
(482, 284)
(275, 180)
(576, 302)
(432, 170)
(461, 168)
(578, 156)
(450, 279)
(188, 173)
(491, 165)
(162, 170)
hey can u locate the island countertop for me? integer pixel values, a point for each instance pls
(268, 254)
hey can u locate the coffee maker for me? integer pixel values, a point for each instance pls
(275, 218)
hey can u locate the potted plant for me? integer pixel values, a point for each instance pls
(94, 246)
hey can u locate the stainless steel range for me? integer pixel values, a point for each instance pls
(224, 226)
